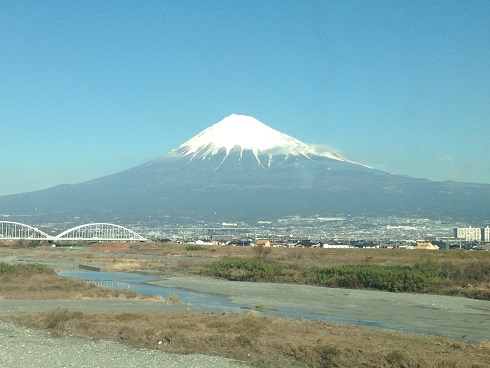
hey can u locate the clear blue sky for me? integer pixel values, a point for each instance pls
(89, 88)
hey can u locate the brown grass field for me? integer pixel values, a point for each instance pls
(266, 341)
(257, 340)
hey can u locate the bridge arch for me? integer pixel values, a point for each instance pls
(100, 231)
(16, 230)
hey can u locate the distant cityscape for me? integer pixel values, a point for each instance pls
(335, 231)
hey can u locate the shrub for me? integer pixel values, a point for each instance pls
(174, 298)
(56, 321)
(389, 278)
(262, 251)
(477, 270)
(248, 269)
(194, 247)
(327, 357)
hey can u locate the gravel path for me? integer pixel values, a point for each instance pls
(26, 348)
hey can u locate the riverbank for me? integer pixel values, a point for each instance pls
(254, 337)
(454, 317)
(459, 318)
(453, 273)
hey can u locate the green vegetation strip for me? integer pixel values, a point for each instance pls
(195, 247)
(419, 278)
(248, 269)
(387, 278)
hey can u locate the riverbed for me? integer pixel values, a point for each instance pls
(455, 317)
(459, 318)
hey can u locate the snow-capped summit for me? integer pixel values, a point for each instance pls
(245, 133)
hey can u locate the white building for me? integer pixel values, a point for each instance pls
(485, 234)
(335, 246)
(468, 233)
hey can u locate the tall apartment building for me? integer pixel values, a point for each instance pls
(468, 233)
(485, 234)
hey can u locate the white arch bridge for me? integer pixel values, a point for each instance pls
(91, 232)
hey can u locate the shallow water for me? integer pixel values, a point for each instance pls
(137, 283)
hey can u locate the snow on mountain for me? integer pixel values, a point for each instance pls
(241, 132)
(267, 174)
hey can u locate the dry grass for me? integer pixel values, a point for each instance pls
(174, 298)
(267, 341)
(125, 265)
(324, 257)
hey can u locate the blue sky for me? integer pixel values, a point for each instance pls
(90, 88)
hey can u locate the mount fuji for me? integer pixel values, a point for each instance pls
(246, 134)
(243, 169)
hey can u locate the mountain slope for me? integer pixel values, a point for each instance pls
(243, 169)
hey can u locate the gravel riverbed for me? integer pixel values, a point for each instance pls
(454, 317)
(27, 348)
